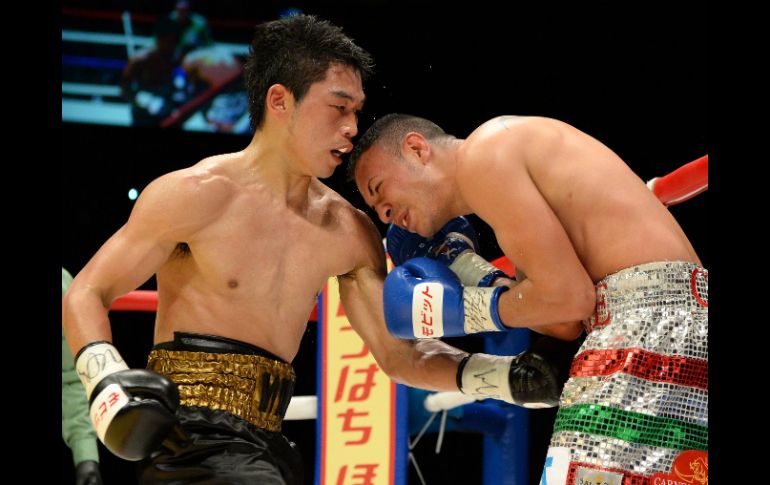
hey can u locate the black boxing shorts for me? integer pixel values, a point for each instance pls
(233, 397)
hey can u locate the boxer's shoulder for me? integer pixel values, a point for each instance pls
(356, 238)
(326, 202)
(181, 202)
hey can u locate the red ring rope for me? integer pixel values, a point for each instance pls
(683, 183)
(678, 186)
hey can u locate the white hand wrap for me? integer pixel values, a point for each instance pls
(97, 361)
(486, 376)
(477, 306)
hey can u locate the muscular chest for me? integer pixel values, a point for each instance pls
(262, 247)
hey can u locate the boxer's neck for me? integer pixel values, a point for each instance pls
(270, 165)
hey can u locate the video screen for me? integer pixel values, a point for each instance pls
(176, 67)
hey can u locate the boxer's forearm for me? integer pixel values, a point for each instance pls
(427, 364)
(84, 318)
(538, 306)
(562, 331)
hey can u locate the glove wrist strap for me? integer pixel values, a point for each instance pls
(491, 277)
(485, 376)
(96, 361)
(472, 269)
(460, 368)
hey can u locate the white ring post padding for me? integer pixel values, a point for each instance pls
(306, 407)
(441, 401)
(302, 407)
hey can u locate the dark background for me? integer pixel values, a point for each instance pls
(631, 74)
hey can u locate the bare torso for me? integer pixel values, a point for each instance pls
(610, 216)
(254, 271)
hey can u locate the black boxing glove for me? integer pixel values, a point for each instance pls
(527, 379)
(87, 473)
(132, 410)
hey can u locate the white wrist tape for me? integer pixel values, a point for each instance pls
(96, 362)
(477, 306)
(486, 376)
(471, 268)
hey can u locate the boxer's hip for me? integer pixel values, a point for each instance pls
(224, 374)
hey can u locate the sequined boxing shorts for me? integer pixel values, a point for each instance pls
(635, 408)
(233, 397)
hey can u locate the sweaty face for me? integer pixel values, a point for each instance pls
(399, 190)
(326, 119)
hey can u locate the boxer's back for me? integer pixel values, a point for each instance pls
(610, 216)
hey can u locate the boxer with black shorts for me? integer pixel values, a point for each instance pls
(241, 244)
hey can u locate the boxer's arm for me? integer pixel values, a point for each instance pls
(426, 364)
(561, 331)
(132, 410)
(169, 210)
(498, 186)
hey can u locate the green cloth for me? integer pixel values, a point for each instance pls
(76, 428)
(636, 428)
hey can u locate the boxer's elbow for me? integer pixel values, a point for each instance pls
(400, 364)
(565, 331)
(398, 375)
(582, 303)
(394, 367)
(83, 295)
(573, 302)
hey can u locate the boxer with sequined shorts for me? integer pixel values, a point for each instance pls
(638, 386)
(593, 248)
(241, 244)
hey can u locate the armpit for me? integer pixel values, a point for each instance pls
(182, 250)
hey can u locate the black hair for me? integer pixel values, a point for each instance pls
(389, 132)
(296, 52)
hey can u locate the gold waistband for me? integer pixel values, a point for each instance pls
(252, 387)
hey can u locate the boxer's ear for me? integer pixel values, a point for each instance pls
(415, 144)
(278, 99)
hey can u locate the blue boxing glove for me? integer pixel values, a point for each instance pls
(404, 245)
(424, 299)
(454, 245)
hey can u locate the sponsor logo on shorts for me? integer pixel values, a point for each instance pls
(691, 467)
(590, 476)
(602, 314)
(700, 276)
